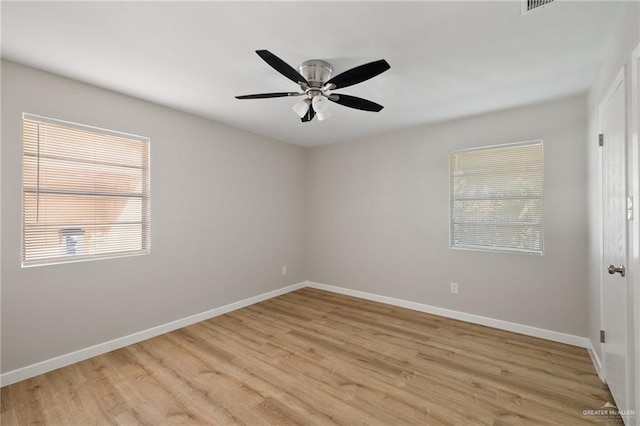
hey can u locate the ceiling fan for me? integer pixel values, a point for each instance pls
(316, 84)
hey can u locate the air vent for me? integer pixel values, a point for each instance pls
(529, 5)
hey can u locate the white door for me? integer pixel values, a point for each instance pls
(614, 237)
(634, 229)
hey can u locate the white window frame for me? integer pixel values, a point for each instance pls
(453, 199)
(146, 198)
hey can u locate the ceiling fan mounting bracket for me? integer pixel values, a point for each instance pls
(316, 72)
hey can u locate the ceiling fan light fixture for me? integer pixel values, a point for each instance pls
(323, 115)
(320, 103)
(302, 107)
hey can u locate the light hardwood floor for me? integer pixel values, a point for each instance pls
(313, 357)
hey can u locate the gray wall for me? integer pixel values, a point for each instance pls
(227, 212)
(378, 219)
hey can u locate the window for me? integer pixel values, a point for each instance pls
(496, 198)
(85, 192)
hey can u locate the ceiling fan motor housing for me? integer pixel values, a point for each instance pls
(316, 72)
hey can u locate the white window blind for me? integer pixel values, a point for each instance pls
(85, 192)
(496, 198)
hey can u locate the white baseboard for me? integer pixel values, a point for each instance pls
(102, 348)
(597, 364)
(555, 336)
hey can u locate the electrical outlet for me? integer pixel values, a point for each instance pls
(454, 288)
(284, 270)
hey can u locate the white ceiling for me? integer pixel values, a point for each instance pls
(448, 59)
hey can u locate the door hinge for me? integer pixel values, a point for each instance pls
(602, 336)
(600, 139)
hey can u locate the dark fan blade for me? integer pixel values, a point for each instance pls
(281, 66)
(355, 102)
(310, 114)
(359, 74)
(269, 95)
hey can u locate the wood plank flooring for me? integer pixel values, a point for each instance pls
(313, 357)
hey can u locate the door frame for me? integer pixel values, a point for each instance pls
(633, 251)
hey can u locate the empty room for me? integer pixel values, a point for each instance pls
(320, 212)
